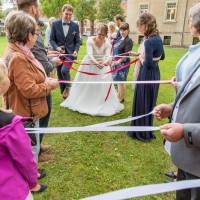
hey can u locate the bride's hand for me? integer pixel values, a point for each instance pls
(106, 63)
(99, 65)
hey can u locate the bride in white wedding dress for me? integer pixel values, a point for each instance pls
(90, 98)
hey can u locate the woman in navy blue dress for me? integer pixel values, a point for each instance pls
(145, 95)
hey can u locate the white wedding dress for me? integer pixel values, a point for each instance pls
(90, 98)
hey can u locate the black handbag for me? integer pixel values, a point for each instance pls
(30, 124)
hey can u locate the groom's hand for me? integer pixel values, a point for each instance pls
(75, 54)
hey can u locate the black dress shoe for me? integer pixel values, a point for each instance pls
(171, 175)
(42, 188)
(41, 175)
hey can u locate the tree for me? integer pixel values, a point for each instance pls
(52, 8)
(1, 13)
(85, 9)
(108, 9)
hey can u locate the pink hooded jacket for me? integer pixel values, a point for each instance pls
(18, 168)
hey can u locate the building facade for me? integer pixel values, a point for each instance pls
(172, 19)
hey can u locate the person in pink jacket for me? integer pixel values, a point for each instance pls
(18, 168)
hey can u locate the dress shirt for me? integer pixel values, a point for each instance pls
(65, 28)
(175, 111)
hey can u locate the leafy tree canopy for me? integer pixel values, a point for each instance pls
(52, 8)
(108, 9)
(85, 9)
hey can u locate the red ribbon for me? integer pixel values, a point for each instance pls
(95, 74)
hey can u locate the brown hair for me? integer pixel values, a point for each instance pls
(17, 19)
(40, 23)
(124, 26)
(67, 7)
(102, 28)
(26, 4)
(119, 17)
(149, 21)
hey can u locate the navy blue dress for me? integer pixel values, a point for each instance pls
(145, 95)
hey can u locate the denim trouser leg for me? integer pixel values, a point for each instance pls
(44, 121)
(36, 148)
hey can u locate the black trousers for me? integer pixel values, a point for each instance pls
(188, 194)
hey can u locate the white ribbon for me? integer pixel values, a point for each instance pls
(116, 82)
(105, 126)
(120, 121)
(91, 129)
(145, 190)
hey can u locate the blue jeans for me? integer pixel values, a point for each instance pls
(63, 73)
(44, 121)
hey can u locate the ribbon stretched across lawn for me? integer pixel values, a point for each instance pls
(124, 82)
(146, 190)
(91, 129)
(105, 126)
(120, 121)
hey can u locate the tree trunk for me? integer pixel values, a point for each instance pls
(91, 27)
(81, 28)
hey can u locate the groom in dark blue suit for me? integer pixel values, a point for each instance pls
(65, 38)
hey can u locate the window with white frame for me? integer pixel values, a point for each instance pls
(144, 8)
(171, 9)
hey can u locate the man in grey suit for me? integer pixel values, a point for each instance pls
(184, 132)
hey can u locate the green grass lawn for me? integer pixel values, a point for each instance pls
(88, 164)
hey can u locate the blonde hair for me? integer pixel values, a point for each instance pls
(3, 71)
(51, 19)
(112, 25)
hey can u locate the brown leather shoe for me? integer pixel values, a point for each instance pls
(65, 93)
(45, 148)
(45, 157)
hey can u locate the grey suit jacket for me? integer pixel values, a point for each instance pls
(185, 153)
(40, 53)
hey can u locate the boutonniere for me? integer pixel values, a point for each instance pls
(74, 33)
